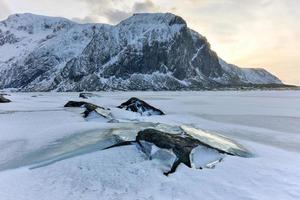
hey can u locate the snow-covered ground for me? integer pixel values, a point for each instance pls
(265, 122)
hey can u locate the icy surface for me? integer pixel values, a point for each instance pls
(202, 156)
(164, 156)
(34, 121)
(216, 141)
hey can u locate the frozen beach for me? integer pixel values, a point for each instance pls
(265, 122)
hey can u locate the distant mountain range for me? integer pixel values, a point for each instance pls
(144, 52)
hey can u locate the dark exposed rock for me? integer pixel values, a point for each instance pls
(86, 95)
(113, 121)
(4, 100)
(180, 146)
(136, 105)
(89, 108)
(81, 104)
(100, 112)
(7, 37)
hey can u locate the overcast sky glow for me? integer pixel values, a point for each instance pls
(254, 33)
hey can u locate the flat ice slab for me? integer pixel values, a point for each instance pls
(217, 141)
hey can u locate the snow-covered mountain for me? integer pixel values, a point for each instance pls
(144, 52)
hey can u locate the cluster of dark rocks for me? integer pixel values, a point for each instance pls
(133, 104)
(177, 145)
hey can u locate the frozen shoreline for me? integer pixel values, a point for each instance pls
(266, 122)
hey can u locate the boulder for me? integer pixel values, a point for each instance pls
(90, 109)
(180, 145)
(86, 95)
(136, 105)
(4, 100)
(98, 112)
(80, 104)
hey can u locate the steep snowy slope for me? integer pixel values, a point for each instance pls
(249, 75)
(144, 52)
(33, 48)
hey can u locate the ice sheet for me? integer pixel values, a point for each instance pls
(30, 123)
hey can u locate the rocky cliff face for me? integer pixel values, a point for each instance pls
(144, 52)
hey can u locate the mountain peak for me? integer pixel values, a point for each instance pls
(155, 19)
(29, 22)
(33, 20)
(22, 17)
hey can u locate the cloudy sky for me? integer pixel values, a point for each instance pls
(249, 33)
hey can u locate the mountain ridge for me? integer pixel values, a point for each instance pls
(146, 51)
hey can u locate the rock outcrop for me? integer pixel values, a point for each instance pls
(90, 109)
(3, 99)
(181, 146)
(86, 95)
(136, 105)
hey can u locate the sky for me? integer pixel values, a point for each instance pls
(248, 33)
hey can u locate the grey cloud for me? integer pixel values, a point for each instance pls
(105, 9)
(87, 19)
(111, 11)
(115, 15)
(146, 6)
